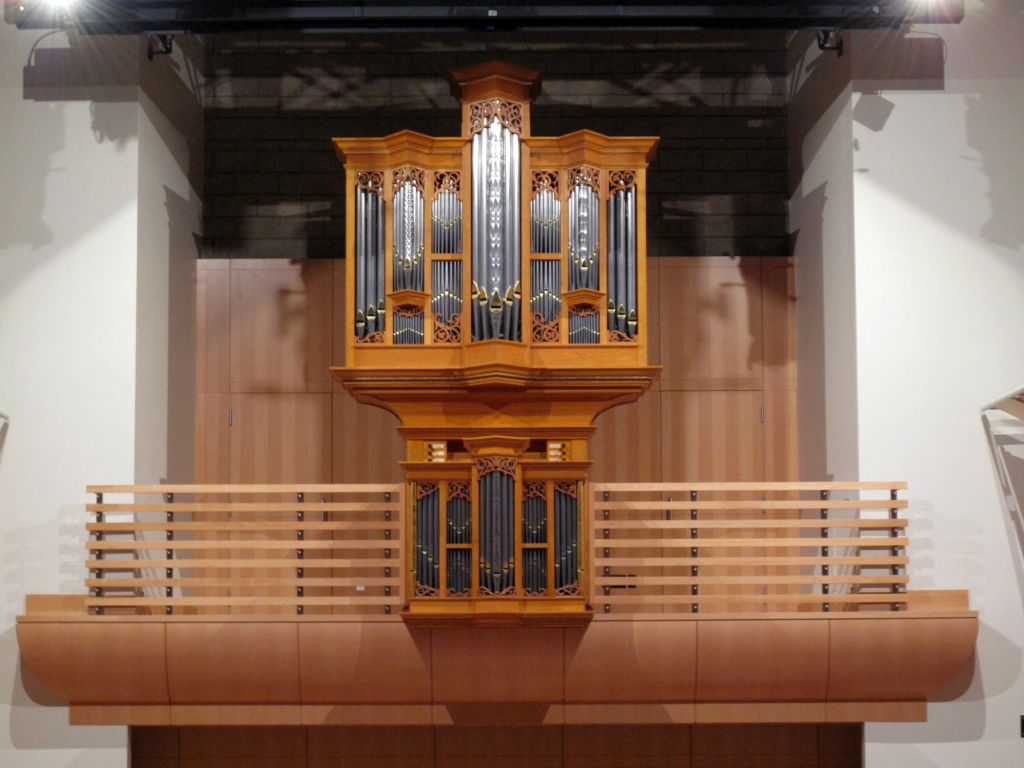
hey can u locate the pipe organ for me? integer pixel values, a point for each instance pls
(496, 333)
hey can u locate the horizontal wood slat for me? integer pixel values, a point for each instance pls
(243, 544)
(630, 581)
(352, 488)
(875, 542)
(774, 487)
(234, 525)
(752, 504)
(264, 581)
(335, 563)
(225, 549)
(262, 600)
(747, 547)
(766, 560)
(687, 600)
(293, 507)
(753, 525)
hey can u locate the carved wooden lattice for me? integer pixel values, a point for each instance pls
(483, 113)
(448, 333)
(545, 180)
(585, 174)
(621, 180)
(447, 181)
(407, 174)
(504, 464)
(371, 181)
(545, 332)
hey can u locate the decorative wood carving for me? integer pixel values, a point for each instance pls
(407, 174)
(447, 181)
(448, 333)
(458, 491)
(621, 180)
(545, 180)
(504, 464)
(584, 310)
(585, 174)
(534, 490)
(508, 113)
(425, 489)
(545, 332)
(371, 181)
(567, 489)
(372, 338)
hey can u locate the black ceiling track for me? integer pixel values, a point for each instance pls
(212, 16)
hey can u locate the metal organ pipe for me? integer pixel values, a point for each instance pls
(446, 281)
(369, 261)
(446, 221)
(496, 233)
(622, 262)
(497, 531)
(407, 232)
(545, 222)
(584, 236)
(566, 539)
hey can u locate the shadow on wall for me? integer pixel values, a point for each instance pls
(993, 121)
(966, 721)
(183, 249)
(37, 719)
(99, 71)
(893, 61)
(993, 125)
(5, 424)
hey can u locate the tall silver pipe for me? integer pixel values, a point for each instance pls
(632, 298)
(407, 235)
(545, 222)
(496, 236)
(479, 235)
(369, 262)
(360, 266)
(584, 237)
(617, 267)
(378, 288)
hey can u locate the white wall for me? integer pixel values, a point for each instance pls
(939, 295)
(821, 222)
(68, 238)
(170, 213)
(96, 258)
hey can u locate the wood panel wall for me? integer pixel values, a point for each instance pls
(723, 409)
(501, 746)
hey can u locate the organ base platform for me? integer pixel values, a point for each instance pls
(850, 666)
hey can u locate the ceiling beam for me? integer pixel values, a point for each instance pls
(212, 16)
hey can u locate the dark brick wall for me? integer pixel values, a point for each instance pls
(274, 188)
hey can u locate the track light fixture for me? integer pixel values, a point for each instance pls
(830, 39)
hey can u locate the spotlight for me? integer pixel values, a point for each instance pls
(41, 14)
(60, 8)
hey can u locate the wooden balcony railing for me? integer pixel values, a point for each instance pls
(251, 549)
(713, 547)
(654, 548)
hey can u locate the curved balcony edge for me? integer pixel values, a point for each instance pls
(773, 667)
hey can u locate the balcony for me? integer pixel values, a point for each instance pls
(282, 605)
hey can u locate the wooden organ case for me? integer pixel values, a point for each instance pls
(496, 303)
